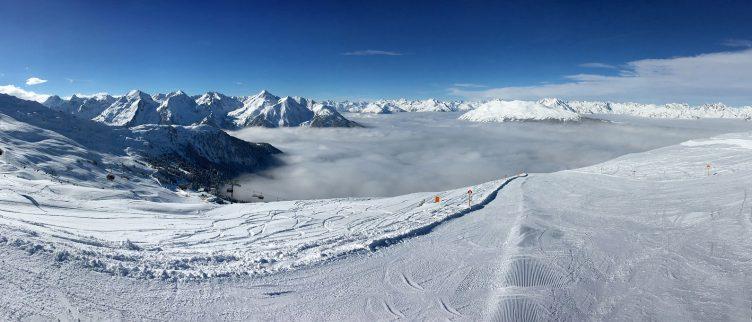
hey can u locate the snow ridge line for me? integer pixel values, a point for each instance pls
(423, 230)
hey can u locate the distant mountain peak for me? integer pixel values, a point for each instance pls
(137, 94)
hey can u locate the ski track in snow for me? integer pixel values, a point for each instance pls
(198, 240)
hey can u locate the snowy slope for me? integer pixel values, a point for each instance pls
(63, 147)
(506, 111)
(244, 238)
(647, 236)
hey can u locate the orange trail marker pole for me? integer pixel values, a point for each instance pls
(437, 199)
(708, 166)
(470, 197)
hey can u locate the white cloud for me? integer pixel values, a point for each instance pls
(23, 94)
(432, 150)
(35, 81)
(597, 65)
(746, 43)
(468, 85)
(714, 77)
(371, 52)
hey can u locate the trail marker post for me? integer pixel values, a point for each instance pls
(470, 197)
(707, 167)
(436, 199)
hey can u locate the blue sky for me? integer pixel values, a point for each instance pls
(376, 49)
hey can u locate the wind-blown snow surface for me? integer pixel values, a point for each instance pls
(647, 236)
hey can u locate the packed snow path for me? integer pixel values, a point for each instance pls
(441, 274)
(648, 236)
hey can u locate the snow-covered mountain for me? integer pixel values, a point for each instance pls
(671, 110)
(327, 116)
(267, 110)
(556, 109)
(177, 108)
(84, 107)
(135, 108)
(286, 112)
(251, 107)
(506, 111)
(85, 151)
(646, 236)
(395, 106)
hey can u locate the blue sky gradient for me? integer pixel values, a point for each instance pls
(349, 49)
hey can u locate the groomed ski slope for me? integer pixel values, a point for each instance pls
(647, 236)
(102, 230)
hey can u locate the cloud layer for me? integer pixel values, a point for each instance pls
(22, 93)
(469, 85)
(371, 52)
(707, 78)
(743, 43)
(411, 152)
(597, 65)
(35, 81)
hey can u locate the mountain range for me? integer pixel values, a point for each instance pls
(58, 143)
(267, 110)
(178, 108)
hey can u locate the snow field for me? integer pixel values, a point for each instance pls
(142, 238)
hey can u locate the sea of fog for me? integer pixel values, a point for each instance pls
(411, 152)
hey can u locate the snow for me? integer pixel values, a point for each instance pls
(584, 108)
(253, 238)
(506, 111)
(672, 110)
(135, 108)
(63, 147)
(252, 107)
(740, 143)
(267, 110)
(216, 109)
(644, 236)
